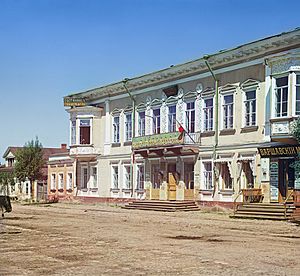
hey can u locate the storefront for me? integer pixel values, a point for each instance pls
(169, 166)
(283, 170)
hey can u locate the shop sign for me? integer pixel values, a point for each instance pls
(74, 102)
(274, 180)
(164, 139)
(280, 151)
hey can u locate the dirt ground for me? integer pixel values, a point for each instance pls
(75, 239)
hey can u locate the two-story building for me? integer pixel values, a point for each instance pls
(194, 130)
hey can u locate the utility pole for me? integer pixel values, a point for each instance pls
(216, 123)
(125, 81)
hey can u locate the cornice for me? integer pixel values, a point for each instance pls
(246, 52)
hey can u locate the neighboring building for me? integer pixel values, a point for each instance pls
(171, 134)
(24, 190)
(60, 176)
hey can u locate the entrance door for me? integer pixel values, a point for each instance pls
(172, 181)
(286, 178)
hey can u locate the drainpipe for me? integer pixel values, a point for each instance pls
(125, 81)
(216, 123)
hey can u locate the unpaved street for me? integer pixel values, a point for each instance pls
(74, 239)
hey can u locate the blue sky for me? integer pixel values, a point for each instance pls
(52, 48)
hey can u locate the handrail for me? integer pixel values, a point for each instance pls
(234, 202)
(285, 202)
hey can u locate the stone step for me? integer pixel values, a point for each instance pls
(254, 216)
(269, 210)
(261, 213)
(271, 206)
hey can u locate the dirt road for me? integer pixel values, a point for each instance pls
(74, 239)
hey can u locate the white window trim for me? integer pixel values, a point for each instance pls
(112, 176)
(244, 92)
(84, 117)
(152, 119)
(185, 113)
(125, 167)
(202, 113)
(273, 85)
(125, 123)
(69, 185)
(119, 128)
(137, 123)
(82, 177)
(224, 94)
(203, 171)
(137, 175)
(60, 181)
(168, 113)
(94, 182)
(53, 183)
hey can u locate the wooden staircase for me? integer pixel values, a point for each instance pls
(162, 205)
(272, 211)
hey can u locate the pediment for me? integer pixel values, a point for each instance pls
(190, 95)
(155, 102)
(208, 91)
(228, 88)
(116, 111)
(249, 83)
(141, 106)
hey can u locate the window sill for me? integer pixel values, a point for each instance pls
(208, 133)
(61, 190)
(230, 131)
(53, 190)
(249, 129)
(140, 191)
(127, 190)
(284, 119)
(226, 192)
(84, 190)
(127, 143)
(114, 190)
(93, 189)
(206, 192)
(70, 190)
(115, 145)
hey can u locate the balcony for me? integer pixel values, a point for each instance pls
(281, 129)
(84, 151)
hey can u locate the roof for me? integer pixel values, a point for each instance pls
(46, 151)
(245, 52)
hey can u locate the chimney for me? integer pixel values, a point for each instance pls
(63, 146)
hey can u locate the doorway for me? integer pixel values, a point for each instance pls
(286, 179)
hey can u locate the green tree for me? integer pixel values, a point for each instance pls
(6, 179)
(29, 161)
(296, 129)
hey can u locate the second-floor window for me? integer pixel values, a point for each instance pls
(141, 123)
(172, 118)
(116, 129)
(208, 114)
(297, 94)
(128, 127)
(228, 111)
(250, 108)
(190, 117)
(281, 97)
(85, 131)
(156, 121)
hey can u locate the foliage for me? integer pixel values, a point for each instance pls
(296, 129)
(6, 179)
(29, 161)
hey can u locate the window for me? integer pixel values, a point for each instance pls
(190, 117)
(281, 97)
(228, 111)
(226, 177)
(94, 176)
(84, 178)
(208, 115)
(140, 177)
(207, 175)
(128, 127)
(297, 94)
(156, 121)
(127, 178)
(116, 129)
(156, 176)
(172, 118)
(61, 181)
(84, 130)
(115, 177)
(73, 132)
(10, 162)
(141, 124)
(250, 108)
(69, 181)
(53, 181)
(189, 175)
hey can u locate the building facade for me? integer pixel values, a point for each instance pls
(194, 130)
